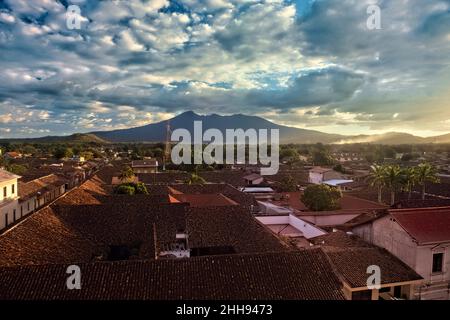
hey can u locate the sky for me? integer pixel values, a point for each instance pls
(312, 64)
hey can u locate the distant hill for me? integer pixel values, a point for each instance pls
(74, 138)
(156, 132)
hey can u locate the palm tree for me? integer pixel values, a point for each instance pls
(195, 179)
(409, 180)
(425, 172)
(393, 180)
(126, 174)
(377, 179)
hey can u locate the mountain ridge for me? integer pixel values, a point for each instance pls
(156, 132)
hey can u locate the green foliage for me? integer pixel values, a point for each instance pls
(288, 154)
(16, 169)
(195, 179)
(425, 173)
(339, 168)
(395, 178)
(288, 184)
(126, 173)
(62, 152)
(321, 197)
(141, 188)
(125, 189)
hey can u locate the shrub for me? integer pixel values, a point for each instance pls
(141, 188)
(321, 197)
(126, 189)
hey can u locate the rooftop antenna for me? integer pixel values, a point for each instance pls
(167, 149)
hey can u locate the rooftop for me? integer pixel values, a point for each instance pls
(42, 185)
(425, 225)
(6, 176)
(301, 275)
(351, 256)
(320, 170)
(144, 163)
(204, 200)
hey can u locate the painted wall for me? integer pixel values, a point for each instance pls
(308, 229)
(8, 203)
(329, 220)
(388, 234)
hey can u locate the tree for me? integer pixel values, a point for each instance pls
(16, 169)
(321, 197)
(141, 188)
(426, 173)
(62, 152)
(126, 174)
(321, 158)
(195, 179)
(125, 189)
(288, 154)
(393, 180)
(409, 180)
(288, 184)
(377, 179)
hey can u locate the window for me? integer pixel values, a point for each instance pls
(438, 259)
(4, 192)
(13, 189)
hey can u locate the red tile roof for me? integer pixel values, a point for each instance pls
(347, 203)
(425, 225)
(40, 185)
(204, 200)
(351, 256)
(5, 175)
(301, 275)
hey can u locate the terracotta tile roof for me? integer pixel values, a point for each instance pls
(351, 256)
(243, 199)
(320, 170)
(303, 275)
(6, 176)
(419, 203)
(425, 225)
(92, 220)
(232, 177)
(44, 238)
(40, 185)
(364, 218)
(162, 178)
(13, 154)
(230, 226)
(204, 200)
(347, 203)
(339, 239)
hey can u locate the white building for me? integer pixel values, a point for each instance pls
(9, 197)
(318, 175)
(420, 237)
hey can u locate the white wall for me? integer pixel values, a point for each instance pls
(8, 185)
(330, 219)
(389, 235)
(308, 229)
(316, 178)
(9, 203)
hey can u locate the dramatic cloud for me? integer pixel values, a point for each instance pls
(306, 63)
